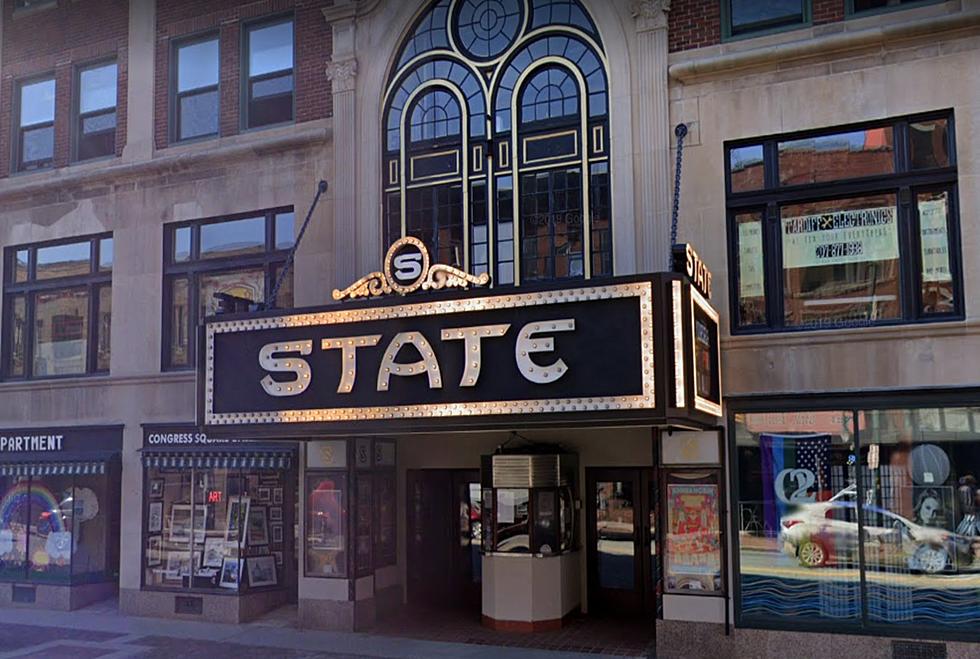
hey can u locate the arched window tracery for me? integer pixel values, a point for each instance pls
(496, 140)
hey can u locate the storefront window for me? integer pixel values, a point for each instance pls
(841, 255)
(876, 528)
(326, 524)
(214, 529)
(13, 527)
(513, 528)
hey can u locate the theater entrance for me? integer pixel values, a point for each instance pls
(621, 525)
(444, 536)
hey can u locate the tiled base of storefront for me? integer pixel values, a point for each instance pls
(57, 598)
(698, 640)
(194, 606)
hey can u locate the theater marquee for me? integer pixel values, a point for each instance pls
(588, 354)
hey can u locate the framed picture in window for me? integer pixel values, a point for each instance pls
(261, 570)
(231, 570)
(275, 514)
(180, 523)
(154, 517)
(154, 557)
(214, 552)
(278, 557)
(258, 527)
(237, 519)
(277, 534)
(178, 565)
(264, 495)
(156, 488)
(277, 496)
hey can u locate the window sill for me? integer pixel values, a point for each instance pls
(853, 34)
(932, 329)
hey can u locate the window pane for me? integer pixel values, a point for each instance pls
(104, 329)
(832, 157)
(751, 270)
(615, 534)
(865, 5)
(270, 49)
(551, 225)
(233, 238)
(21, 265)
(97, 136)
(197, 115)
(60, 332)
(285, 231)
(64, 260)
(37, 103)
(601, 220)
(929, 144)
(179, 322)
(840, 262)
(513, 521)
(938, 295)
(921, 505)
(105, 254)
(241, 283)
(50, 531)
(14, 528)
(272, 86)
(18, 326)
(37, 147)
(746, 166)
(197, 65)
(168, 527)
(99, 123)
(798, 533)
(273, 108)
(182, 244)
(98, 88)
(326, 524)
(435, 216)
(748, 15)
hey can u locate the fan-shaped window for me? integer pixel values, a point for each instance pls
(528, 200)
(436, 115)
(550, 94)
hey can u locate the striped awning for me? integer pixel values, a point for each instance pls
(83, 468)
(272, 459)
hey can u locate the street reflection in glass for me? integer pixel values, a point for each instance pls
(614, 534)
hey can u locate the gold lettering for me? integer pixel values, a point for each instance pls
(472, 338)
(428, 364)
(348, 356)
(527, 345)
(300, 367)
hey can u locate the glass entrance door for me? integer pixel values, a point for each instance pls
(621, 537)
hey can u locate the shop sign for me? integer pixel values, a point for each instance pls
(179, 436)
(935, 241)
(850, 236)
(58, 440)
(751, 278)
(688, 262)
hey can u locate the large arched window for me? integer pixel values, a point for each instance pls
(496, 140)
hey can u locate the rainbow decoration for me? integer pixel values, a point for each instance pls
(39, 498)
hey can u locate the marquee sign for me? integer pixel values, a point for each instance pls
(590, 353)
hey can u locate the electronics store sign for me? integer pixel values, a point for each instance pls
(579, 351)
(851, 236)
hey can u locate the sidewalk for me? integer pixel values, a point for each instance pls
(101, 634)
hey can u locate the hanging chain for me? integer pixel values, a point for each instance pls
(271, 300)
(680, 131)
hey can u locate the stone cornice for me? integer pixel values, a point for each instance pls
(692, 68)
(174, 158)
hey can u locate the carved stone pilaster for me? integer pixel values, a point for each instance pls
(342, 74)
(650, 14)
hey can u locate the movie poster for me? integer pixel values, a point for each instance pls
(693, 560)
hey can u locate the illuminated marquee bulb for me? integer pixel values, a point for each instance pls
(295, 365)
(472, 337)
(348, 357)
(527, 345)
(428, 365)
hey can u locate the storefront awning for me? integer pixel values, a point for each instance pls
(84, 464)
(244, 459)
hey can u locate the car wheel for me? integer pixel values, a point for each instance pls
(812, 554)
(930, 559)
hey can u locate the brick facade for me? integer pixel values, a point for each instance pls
(697, 23)
(311, 51)
(55, 40)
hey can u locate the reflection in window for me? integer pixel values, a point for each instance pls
(746, 167)
(615, 534)
(196, 101)
(549, 94)
(35, 137)
(840, 261)
(798, 544)
(551, 225)
(326, 525)
(929, 144)
(434, 216)
(59, 315)
(934, 242)
(753, 16)
(832, 157)
(513, 521)
(96, 121)
(241, 257)
(269, 95)
(751, 270)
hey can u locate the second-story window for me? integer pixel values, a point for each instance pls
(269, 81)
(743, 17)
(57, 308)
(195, 93)
(241, 256)
(35, 125)
(96, 120)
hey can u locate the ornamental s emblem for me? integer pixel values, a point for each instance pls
(408, 268)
